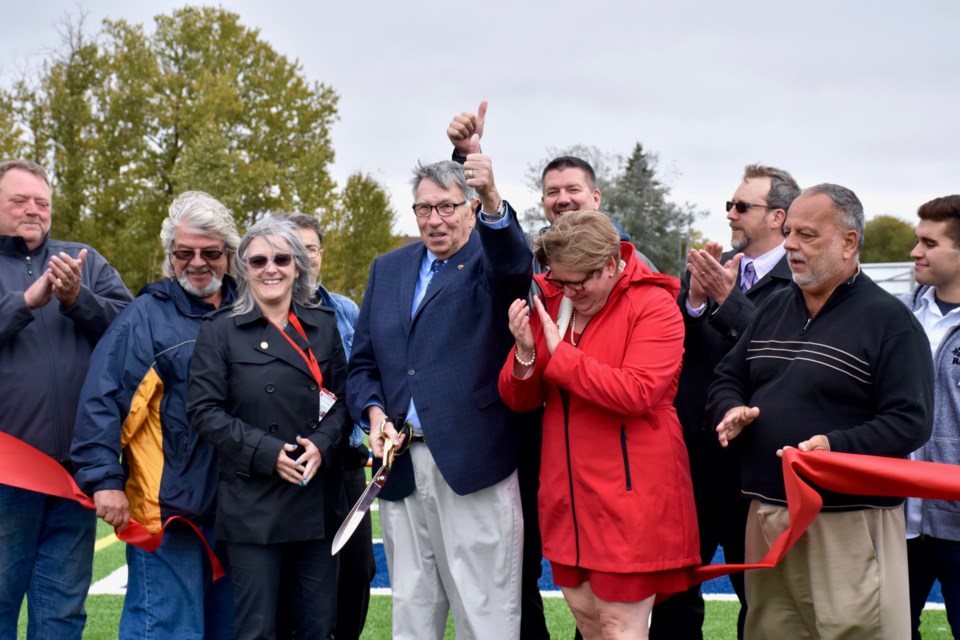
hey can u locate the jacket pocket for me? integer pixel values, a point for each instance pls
(626, 457)
(487, 395)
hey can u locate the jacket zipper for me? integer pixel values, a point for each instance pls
(626, 458)
(565, 399)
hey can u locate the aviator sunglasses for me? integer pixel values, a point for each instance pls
(208, 255)
(279, 259)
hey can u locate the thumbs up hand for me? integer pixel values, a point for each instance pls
(463, 126)
(478, 170)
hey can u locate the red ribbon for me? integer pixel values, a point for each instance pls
(842, 473)
(24, 467)
(27, 468)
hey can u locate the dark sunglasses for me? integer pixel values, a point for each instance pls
(279, 259)
(574, 286)
(208, 255)
(743, 207)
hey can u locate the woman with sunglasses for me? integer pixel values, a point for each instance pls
(266, 383)
(601, 352)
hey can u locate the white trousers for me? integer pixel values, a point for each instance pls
(446, 551)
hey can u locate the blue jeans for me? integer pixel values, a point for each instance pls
(170, 593)
(934, 559)
(46, 553)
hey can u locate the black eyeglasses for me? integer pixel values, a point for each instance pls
(577, 287)
(279, 259)
(423, 210)
(743, 207)
(208, 255)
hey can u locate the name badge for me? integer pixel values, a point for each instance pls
(327, 400)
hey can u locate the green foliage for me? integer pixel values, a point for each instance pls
(357, 231)
(887, 239)
(126, 120)
(634, 196)
(11, 141)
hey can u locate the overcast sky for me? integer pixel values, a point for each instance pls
(865, 94)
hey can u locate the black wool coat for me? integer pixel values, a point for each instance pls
(250, 392)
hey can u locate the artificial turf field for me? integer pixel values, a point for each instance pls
(103, 611)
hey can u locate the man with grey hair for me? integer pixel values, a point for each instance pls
(56, 300)
(720, 293)
(133, 406)
(821, 367)
(430, 340)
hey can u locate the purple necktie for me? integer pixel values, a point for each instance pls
(749, 277)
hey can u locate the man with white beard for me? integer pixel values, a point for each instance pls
(133, 404)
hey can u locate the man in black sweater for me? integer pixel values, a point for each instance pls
(830, 363)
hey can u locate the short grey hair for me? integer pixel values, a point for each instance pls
(198, 212)
(783, 188)
(283, 228)
(445, 174)
(24, 165)
(849, 210)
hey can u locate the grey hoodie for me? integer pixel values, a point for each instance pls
(940, 518)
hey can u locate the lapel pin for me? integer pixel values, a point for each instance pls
(460, 266)
(264, 345)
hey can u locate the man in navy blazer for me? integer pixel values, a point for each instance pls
(430, 340)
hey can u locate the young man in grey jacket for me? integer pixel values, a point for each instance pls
(933, 526)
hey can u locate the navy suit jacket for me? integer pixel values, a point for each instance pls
(447, 356)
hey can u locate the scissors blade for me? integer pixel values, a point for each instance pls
(360, 509)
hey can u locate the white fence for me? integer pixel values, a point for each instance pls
(895, 277)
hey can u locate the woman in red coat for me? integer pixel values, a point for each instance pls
(616, 501)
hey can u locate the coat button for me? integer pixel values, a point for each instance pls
(411, 372)
(274, 428)
(270, 388)
(313, 386)
(312, 424)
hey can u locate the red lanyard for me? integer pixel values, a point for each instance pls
(308, 357)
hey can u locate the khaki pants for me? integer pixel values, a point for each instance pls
(846, 577)
(451, 552)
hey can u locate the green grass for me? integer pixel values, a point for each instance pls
(103, 611)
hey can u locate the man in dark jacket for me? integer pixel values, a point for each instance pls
(719, 295)
(56, 300)
(358, 565)
(134, 404)
(821, 367)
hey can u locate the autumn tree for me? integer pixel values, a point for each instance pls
(887, 238)
(359, 229)
(126, 120)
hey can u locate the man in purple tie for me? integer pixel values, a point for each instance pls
(719, 295)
